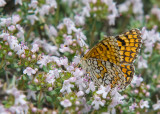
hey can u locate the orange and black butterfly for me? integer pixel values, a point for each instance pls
(110, 62)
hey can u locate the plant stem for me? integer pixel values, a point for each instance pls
(39, 104)
(2, 63)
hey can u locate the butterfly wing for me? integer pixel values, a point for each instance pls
(129, 44)
(110, 61)
(106, 50)
(105, 73)
(128, 71)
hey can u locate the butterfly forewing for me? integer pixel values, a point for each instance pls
(128, 71)
(106, 50)
(129, 44)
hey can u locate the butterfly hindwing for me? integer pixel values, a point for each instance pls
(105, 73)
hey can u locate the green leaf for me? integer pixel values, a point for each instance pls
(31, 87)
(89, 102)
(45, 69)
(52, 92)
(48, 98)
(38, 87)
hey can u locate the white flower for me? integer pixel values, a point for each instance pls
(149, 38)
(18, 2)
(111, 19)
(15, 19)
(66, 103)
(80, 37)
(43, 61)
(116, 98)
(44, 10)
(46, 59)
(70, 25)
(38, 42)
(33, 4)
(86, 11)
(3, 109)
(144, 104)
(54, 112)
(64, 61)
(52, 31)
(91, 87)
(60, 26)
(76, 59)
(133, 106)
(97, 102)
(12, 28)
(63, 48)
(137, 6)
(55, 73)
(124, 6)
(31, 94)
(70, 68)
(142, 63)
(80, 83)
(5, 21)
(79, 20)
(14, 91)
(50, 48)
(80, 93)
(19, 109)
(67, 86)
(112, 8)
(72, 79)
(2, 3)
(104, 90)
(32, 18)
(78, 72)
(137, 80)
(52, 3)
(35, 48)
(113, 11)
(68, 40)
(157, 105)
(17, 48)
(29, 71)
(156, 11)
(20, 33)
(13, 43)
(19, 98)
(93, 1)
(50, 77)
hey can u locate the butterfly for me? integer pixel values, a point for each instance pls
(110, 62)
